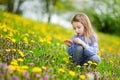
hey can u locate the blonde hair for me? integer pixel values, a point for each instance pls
(88, 30)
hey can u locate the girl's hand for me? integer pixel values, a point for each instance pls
(68, 42)
(79, 41)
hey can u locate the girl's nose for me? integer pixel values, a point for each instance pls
(77, 30)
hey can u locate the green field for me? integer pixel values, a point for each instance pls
(32, 50)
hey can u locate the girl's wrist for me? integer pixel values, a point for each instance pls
(83, 44)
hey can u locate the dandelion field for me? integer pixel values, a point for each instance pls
(32, 50)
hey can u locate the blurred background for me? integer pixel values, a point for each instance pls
(104, 14)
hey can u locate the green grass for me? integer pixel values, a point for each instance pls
(42, 45)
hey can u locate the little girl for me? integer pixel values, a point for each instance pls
(83, 46)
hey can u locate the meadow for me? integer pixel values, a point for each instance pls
(31, 50)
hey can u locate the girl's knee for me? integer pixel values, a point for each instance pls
(78, 48)
(78, 53)
(95, 58)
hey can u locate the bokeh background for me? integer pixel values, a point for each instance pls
(32, 34)
(103, 14)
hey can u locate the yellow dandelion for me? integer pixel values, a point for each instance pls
(20, 70)
(14, 63)
(12, 67)
(8, 50)
(25, 40)
(33, 33)
(21, 53)
(53, 61)
(89, 62)
(14, 50)
(82, 77)
(20, 59)
(44, 68)
(94, 64)
(14, 60)
(99, 53)
(13, 40)
(66, 60)
(85, 64)
(32, 41)
(5, 29)
(78, 66)
(26, 35)
(11, 34)
(71, 73)
(36, 69)
(24, 67)
(41, 40)
(61, 70)
(31, 51)
(111, 61)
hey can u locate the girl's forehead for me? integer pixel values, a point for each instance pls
(76, 23)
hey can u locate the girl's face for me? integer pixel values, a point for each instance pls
(78, 28)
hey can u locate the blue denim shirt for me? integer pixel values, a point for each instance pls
(89, 50)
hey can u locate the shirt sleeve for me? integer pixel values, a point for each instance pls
(91, 50)
(70, 50)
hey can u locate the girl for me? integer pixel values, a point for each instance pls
(83, 46)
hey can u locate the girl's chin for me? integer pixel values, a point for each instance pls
(78, 35)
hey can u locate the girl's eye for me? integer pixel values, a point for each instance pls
(78, 27)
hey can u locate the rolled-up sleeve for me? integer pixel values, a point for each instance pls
(91, 50)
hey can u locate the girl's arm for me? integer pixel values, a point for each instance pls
(91, 50)
(70, 50)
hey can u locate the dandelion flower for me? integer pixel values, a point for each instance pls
(13, 40)
(36, 69)
(78, 66)
(111, 61)
(32, 41)
(24, 67)
(31, 51)
(21, 53)
(85, 64)
(94, 64)
(61, 70)
(66, 60)
(44, 68)
(20, 59)
(71, 73)
(14, 50)
(8, 50)
(82, 77)
(53, 61)
(89, 62)
(12, 67)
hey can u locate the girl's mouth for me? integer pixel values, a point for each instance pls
(78, 34)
